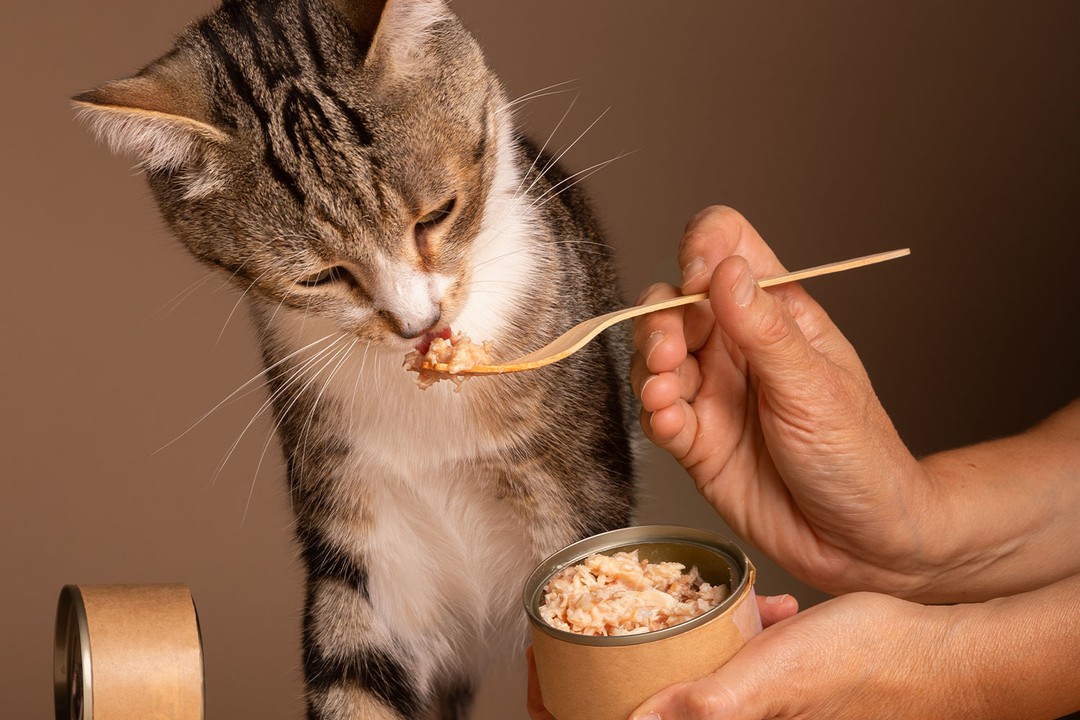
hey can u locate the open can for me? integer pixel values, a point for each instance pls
(586, 677)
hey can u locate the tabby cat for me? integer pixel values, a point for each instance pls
(352, 166)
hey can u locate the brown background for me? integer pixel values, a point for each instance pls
(839, 128)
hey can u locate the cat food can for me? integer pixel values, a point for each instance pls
(585, 677)
(127, 652)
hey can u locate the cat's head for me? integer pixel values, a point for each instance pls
(333, 155)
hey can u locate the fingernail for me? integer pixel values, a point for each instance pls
(645, 385)
(776, 599)
(692, 270)
(650, 716)
(742, 292)
(652, 343)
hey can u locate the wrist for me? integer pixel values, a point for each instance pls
(1012, 657)
(933, 546)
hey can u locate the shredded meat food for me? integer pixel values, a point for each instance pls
(457, 352)
(621, 595)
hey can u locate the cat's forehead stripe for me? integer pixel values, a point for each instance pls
(244, 89)
(359, 124)
(311, 38)
(306, 120)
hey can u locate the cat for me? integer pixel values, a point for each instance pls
(353, 166)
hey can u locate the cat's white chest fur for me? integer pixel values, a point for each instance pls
(437, 543)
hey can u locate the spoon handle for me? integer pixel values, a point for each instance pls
(826, 269)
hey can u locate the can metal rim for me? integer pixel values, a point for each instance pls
(627, 537)
(72, 668)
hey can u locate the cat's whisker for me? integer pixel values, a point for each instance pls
(540, 153)
(521, 250)
(255, 476)
(535, 94)
(549, 194)
(516, 204)
(270, 435)
(307, 312)
(281, 304)
(339, 357)
(299, 372)
(520, 196)
(236, 305)
(238, 392)
(578, 177)
(553, 161)
(360, 371)
(168, 307)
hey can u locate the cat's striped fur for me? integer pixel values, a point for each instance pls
(353, 166)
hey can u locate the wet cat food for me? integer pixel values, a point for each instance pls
(619, 594)
(457, 352)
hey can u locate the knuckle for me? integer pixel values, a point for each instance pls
(774, 330)
(713, 214)
(715, 225)
(656, 291)
(699, 703)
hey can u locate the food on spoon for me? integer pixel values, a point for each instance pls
(456, 351)
(621, 595)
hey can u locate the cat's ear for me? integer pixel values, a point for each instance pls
(397, 29)
(156, 119)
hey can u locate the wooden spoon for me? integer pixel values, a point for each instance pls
(578, 336)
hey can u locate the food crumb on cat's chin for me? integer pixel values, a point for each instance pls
(455, 350)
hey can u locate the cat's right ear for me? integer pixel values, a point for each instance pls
(396, 30)
(157, 123)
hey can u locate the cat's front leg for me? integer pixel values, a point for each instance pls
(355, 666)
(351, 670)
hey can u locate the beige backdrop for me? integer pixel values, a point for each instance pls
(839, 128)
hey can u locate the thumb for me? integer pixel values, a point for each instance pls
(765, 330)
(724, 695)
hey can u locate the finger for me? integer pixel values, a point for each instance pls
(736, 691)
(658, 336)
(704, 699)
(657, 391)
(714, 234)
(672, 428)
(774, 608)
(766, 333)
(534, 702)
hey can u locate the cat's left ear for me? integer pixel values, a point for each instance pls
(157, 121)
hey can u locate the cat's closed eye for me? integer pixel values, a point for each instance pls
(428, 222)
(326, 276)
(435, 217)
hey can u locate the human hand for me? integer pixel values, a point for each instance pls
(767, 406)
(772, 609)
(862, 655)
